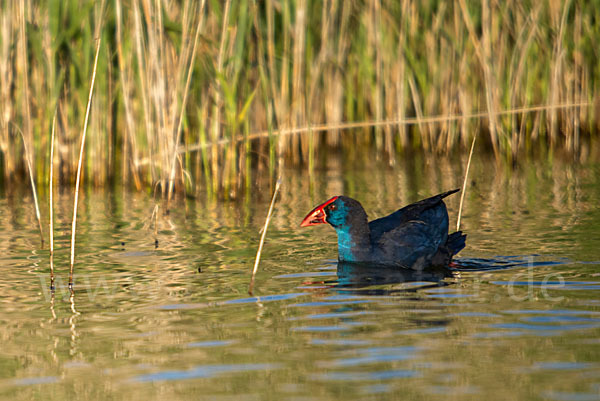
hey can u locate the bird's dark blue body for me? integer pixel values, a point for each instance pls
(415, 236)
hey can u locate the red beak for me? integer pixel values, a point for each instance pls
(317, 215)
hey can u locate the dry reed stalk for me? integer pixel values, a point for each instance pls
(484, 55)
(334, 85)
(130, 140)
(578, 85)
(216, 95)
(52, 287)
(423, 127)
(32, 182)
(263, 236)
(367, 124)
(283, 106)
(401, 76)
(155, 212)
(316, 72)
(51, 202)
(271, 50)
(463, 98)
(270, 212)
(316, 69)
(154, 217)
(6, 88)
(25, 65)
(82, 148)
(267, 87)
(532, 54)
(162, 70)
(373, 26)
(279, 94)
(298, 106)
(159, 82)
(516, 75)
(464, 187)
(556, 68)
(144, 84)
(183, 104)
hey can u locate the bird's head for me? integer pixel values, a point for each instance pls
(339, 212)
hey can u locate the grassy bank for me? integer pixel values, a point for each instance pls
(197, 92)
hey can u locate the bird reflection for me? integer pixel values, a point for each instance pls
(360, 278)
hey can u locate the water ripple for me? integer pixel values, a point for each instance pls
(208, 344)
(307, 274)
(367, 356)
(334, 315)
(366, 376)
(339, 342)
(204, 371)
(505, 262)
(567, 396)
(28, 381)
(562, 366)
(550, 328)
(321, 328)
(551, 312)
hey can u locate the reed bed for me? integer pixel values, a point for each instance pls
(193, 95)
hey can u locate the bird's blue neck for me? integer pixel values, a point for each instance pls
(351, 244)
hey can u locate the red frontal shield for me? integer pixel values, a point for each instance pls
(317, 215)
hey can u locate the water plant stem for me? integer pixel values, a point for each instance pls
(32, 181)
(464, 187)
(263, 236)
(155, 218)
(51, 202)
(183, 104)
(82, 148)
(50, 186)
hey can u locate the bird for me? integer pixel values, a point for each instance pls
(413, 237)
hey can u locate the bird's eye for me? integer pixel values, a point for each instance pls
(332, 207)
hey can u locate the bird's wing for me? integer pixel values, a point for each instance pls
(412, 245)
(408, 213)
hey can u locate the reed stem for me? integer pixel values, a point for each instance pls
(51, 202)
(33, 188)
(464, 187)
(263, 236)
(371, 124)
(183, 104)
(82, 148)
(178, 73)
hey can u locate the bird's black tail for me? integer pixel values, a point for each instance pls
(456, 242)
(448, 193)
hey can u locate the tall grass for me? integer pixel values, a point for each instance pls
(82, 146)
(185, 90)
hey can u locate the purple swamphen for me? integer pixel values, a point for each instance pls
(414, 237)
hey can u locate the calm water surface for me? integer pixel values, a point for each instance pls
(520, 319)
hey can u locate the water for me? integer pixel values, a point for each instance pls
(519, 318)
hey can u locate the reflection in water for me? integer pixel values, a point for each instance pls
(203, 372)
(73, 323)
(505, 262)
(52, 288)
(54, 318)
(144, 323)
(359, 276)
